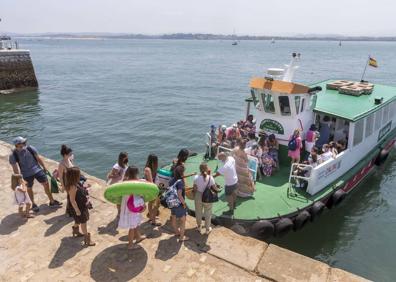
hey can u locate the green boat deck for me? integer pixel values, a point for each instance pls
(270, 200)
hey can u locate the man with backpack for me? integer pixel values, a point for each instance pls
(26, 161)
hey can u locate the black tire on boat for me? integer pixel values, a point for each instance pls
(338, 197)
(215, 221)
(317, 209)
(381, 157)
(301, 219)
(329, 202)
(263, 229)
(283, 226)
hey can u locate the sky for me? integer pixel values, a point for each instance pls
(247, 17)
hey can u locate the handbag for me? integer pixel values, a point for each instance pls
(208, 195)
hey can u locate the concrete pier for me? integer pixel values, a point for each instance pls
(41, 249)
(16, 70)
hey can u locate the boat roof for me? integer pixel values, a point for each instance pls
(278, 86)
(350, 107)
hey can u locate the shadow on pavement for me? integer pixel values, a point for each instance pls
(56, 222)
(110, 228)
(11, 223)
(168, 248)
(68, 248)
(117, 263)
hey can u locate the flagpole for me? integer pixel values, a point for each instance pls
(364, 72)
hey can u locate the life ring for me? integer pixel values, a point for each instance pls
(338, 197)
(301, 219)
(283, 226)
(114, 193)
(317, 209)
(381, 157)
(263, 229)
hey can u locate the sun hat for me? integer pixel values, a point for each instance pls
(19, 140)
(213, 126)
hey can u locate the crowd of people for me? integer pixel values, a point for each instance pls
(242, 134)
(28, 166)
(319, 149)
(240, 140)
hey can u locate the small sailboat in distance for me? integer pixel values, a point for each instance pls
(272, 41)
(234, 42)
(339, 43)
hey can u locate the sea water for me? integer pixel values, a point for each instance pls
(102, 97)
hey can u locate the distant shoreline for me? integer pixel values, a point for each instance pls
(200, 36)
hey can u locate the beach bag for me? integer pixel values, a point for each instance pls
(292, 145)
(53, 182)
(208, 195)
(170, 196)
(131, 205)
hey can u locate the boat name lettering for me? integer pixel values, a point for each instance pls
(272, 126)
(329, 170)
(384, 130)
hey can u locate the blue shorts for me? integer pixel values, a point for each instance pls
(179, 211)
(39, 176)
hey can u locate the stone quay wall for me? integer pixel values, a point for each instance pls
(16, 70)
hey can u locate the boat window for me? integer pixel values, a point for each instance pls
(284, 105)
(297, 101)
(358, 135)
(385, 113)
(369, 125)
(378, 119)
(312, 102)
(302, 105)
(268, 101)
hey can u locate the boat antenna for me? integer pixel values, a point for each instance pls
(365, 68)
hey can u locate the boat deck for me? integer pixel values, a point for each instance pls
(270, 200)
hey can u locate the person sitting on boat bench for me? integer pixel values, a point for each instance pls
(252, 140)
(327, 153)
(233, 134)
(249, 126)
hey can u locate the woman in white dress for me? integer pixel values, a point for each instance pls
(132, 219)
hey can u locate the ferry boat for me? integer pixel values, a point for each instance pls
(360, 112)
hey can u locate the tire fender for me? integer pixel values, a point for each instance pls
(283, 226)
(317, 209)
(301, 219)
(338, 197)
(263, 229)
(381, 157)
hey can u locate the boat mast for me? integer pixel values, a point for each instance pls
(291, 68)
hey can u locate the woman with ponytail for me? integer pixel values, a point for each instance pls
(202, 182)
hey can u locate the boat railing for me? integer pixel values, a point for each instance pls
(327, 172)
(296, 178)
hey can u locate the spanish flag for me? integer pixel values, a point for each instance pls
(373, 62)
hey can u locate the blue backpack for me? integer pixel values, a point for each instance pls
(292, 146)
(171, 198)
